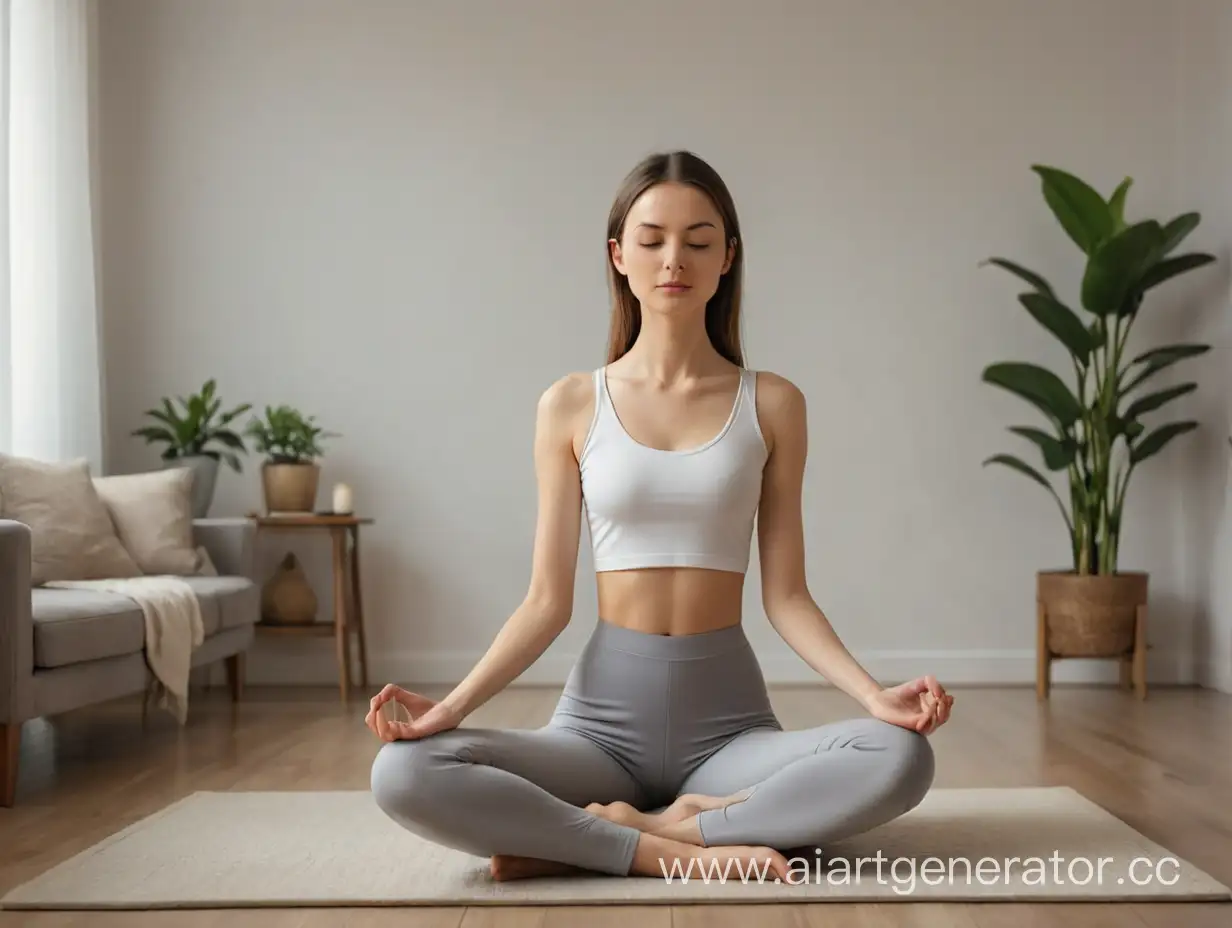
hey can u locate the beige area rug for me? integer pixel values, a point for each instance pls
(251, 849)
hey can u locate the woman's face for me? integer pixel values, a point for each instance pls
(672, 249)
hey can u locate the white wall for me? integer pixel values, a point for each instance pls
(1205, 132)
(392, 215)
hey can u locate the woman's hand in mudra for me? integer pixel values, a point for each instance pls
(396, 714)
(921, 705)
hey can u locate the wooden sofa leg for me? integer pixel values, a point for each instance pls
(10, 752)
(235, 675)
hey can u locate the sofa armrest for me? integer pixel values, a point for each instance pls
(230, 545)
(16, 624)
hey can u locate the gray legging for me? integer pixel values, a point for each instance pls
(642, 719)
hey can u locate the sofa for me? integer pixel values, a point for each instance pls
(61, 649)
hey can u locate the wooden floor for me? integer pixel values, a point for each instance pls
(1163, 766)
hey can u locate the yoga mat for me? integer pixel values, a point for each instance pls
(310, 848)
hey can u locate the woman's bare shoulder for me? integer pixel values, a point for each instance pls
(566, 404)
(568, 394)
(778, 392)
(781, 406)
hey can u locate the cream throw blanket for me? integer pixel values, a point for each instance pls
(173, 629)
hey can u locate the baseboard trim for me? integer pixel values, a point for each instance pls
(280, 664)
(1215, 675)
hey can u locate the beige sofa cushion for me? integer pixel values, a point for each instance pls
(72, 534)
(152, 513)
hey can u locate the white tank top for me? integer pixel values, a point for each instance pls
(647, 507)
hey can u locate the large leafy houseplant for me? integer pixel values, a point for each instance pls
(1098, 435)
(198, 435)
(196, 428)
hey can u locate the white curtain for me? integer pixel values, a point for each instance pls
(50, 387)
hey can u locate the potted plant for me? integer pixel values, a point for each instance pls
(291, 443)
(1098, 433)
(197, 436)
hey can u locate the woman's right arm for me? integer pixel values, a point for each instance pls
(548, 605)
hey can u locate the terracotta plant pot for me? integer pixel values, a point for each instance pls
(290, 487)
(1092, 615)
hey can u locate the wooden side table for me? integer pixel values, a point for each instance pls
(348, 599)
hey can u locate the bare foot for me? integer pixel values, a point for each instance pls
(505, 867)
(684, 807)
(664, 858)
(739, 862)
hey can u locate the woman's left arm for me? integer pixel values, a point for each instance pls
(780, 538)
(788, 604)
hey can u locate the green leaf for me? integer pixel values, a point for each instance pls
(1178, 229)
(171, 420)
(1078, 207)
(229, 438)
(1171, 267)
(1008, 460)
(1163, 355)
(1156, 440)
(1030, 276)
(1057, 455)
(1116, 204)
(1038, 386)
(1021, 466)
(1117, 265)
(153, 433)
(1153, 401)
(229, 417)
(1062, 322)
(1159, 358)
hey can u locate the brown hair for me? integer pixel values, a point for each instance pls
(723, 310)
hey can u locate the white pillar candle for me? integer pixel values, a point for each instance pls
(343, 503)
